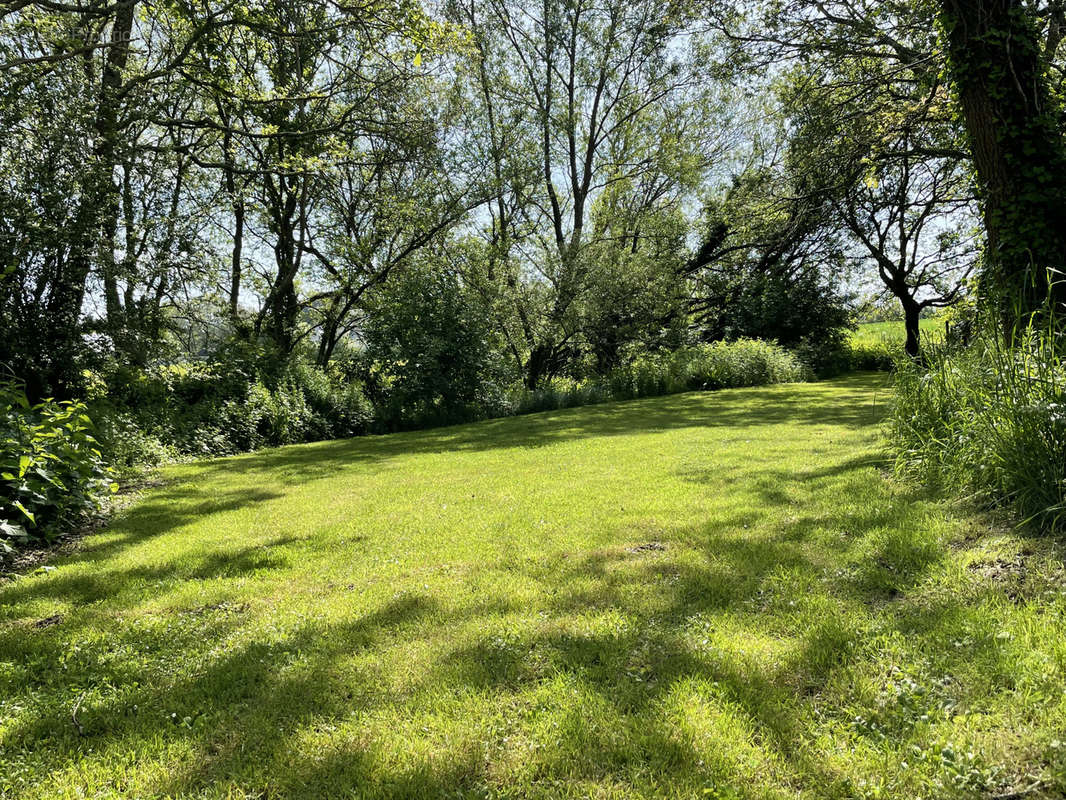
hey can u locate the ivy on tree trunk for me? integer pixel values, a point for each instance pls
(999, 74)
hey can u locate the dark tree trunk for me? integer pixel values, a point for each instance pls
(912, 322)
(1017, 147)
(61, 339)
(280, 310)
(235, 259)
(537, 364)
(237, 202)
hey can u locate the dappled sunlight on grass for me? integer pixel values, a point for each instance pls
(701, 595)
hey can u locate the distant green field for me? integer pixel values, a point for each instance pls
(876, 332)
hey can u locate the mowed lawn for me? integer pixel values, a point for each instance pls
(706, 595)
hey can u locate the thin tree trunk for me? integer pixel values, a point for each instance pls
(912, 321)
(238, 220)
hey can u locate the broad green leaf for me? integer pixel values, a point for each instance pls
(26, 511)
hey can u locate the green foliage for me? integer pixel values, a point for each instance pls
(800, 310)
(51, 469)
(430, 356)
(131, 451)
(878, 345)
(875, 354)
(559, 393)
(990, 421)
(825, 351)
(242, 400)
(718, 365)
(769, 268)
(428, 362)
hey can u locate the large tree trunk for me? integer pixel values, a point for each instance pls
(997, 67)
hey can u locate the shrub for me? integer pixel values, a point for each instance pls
(336, 403)
(130, 451)
(431, 358)
(51, 469)
(559, 393)
(798, 308)
(240, 401)
(718, 365)
(874, 354)
(827, 354)
(744, 362)
(989, 420)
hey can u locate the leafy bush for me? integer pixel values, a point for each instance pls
(989, 420)
(51, 469)
(718, 365)
(559, 393)
(234, 403)
(335, 401)
(874, 354)
(430, 356)
(800, 309)
(131, 452)
(827, 354)
(744, 362)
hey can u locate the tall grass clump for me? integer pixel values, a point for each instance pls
(989, 420)
(744, 362)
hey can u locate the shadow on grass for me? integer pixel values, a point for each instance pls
(239, 710)
(114, 585)
(773, 405)
(240, 713)
(164, 510)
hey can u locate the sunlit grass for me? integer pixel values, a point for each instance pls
(893, 332)
(701, 595)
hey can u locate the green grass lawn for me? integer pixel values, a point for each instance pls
(705, 595)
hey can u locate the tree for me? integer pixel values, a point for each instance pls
(82, 80)
(770, 263)
(1003, 57)
(430, 356)
(999, 70)
(894, 178)
(914, 219)
(593, 95)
